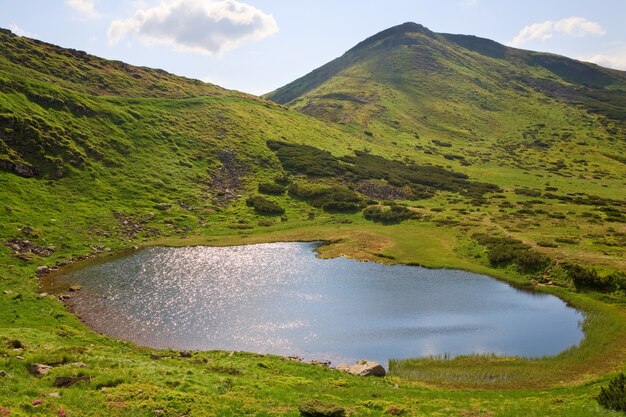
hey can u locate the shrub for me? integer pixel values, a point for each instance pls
(387, 215)
(282, 180)
(442, 143)
(547, 244)
(503, 251)
(527, 192)
(618, 281)
(264, 206)
(271, 188)
(530, 261)
(316, 408)
(329, 198)
(305, 159)
(613, 397)
(586, 278)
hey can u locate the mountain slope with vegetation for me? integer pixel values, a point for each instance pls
(98, 157)
(540, 126)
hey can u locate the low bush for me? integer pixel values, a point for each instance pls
(305, 159)
(527, 192)
(613, 397)
(587, 278)
(387, 215)
(282, 180)
(327, 197)
(503, 251)
(263, 205)
(271, 188)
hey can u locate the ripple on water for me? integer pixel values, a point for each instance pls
(279, 298)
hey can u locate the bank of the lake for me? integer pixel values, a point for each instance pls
(279, 298)
(128, 380)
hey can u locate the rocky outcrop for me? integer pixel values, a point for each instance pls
(39, 369)
(21, 246)
(363, 368)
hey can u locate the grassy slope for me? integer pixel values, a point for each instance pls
(142, 141)
(426, 97)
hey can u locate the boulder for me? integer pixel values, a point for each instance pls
(42, 295)
(75, 288)
(39, 369)
(42, 270)
(363, 368)
(78, 364)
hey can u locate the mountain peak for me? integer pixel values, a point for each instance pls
(395, 31)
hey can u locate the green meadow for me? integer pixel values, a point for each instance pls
(414, 147)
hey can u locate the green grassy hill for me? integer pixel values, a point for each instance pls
(439, 150)
(532, 123)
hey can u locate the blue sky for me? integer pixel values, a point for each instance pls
(259, 45)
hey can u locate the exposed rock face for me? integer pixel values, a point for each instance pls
(22, 246)
(23, 170)
(363, 368)
(227, 180)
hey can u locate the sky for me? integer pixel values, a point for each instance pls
(257, 46)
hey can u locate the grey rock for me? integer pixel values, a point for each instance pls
(363, 368)
(39, 369)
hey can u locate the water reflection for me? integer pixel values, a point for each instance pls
(279, 298)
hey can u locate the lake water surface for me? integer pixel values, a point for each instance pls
(279, 298)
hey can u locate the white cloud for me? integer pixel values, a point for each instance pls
(579, 27)
(617, 61)
(210, 27)
(571, 26)
(86, 8)
(19, 31)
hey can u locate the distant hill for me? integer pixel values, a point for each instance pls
(409, 59)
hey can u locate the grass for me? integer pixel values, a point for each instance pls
(155, 159)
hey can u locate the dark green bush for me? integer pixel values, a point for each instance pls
(387, 215)
(527, 192)
(587, 278)
(305, 159)
(617, 280)
(529, 261)
(271, 188)
(613, 397)
(282, 180)
(442, 143)
(423, 180)
(264, 206)
(327, 197)
(503, 251)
